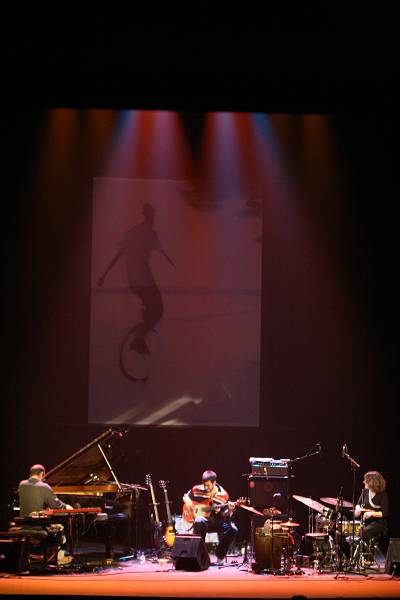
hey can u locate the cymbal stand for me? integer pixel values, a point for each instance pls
(339, 511)
(288, 558)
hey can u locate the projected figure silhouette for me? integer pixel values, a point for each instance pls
(136, 247)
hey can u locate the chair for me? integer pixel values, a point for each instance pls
(38, 547)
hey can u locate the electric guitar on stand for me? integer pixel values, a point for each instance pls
(155, 517)
(169, 533)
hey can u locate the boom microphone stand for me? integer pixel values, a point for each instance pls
(314, 451)
(353, 465)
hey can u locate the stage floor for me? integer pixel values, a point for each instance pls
(159, 579)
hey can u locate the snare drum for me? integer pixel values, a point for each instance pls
(358, 525)
(269, 548)
(347, 528)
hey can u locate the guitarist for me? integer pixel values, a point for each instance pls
(207, 504)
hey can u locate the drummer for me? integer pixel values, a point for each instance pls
(373, 506)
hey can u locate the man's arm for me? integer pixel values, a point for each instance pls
(377, 514)
(221, 495)
(187, 500)
(53, 501)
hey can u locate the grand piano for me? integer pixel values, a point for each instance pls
(90, 470)
(88, 478)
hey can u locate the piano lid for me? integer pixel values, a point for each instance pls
(88, 466)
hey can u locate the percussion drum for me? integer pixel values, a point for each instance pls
(347, 528)
(276, 526)
(323, 554)
(325, 521)
(269, 548)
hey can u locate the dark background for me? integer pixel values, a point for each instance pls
(304, 400)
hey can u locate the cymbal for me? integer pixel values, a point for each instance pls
(251, 509)
(310, 503)
(290, 524)
(271, 512)
(317, 536)
(334, 501)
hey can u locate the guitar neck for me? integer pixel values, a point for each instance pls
(153, 500)
(217, 506)
(163, 486)
(167, 506)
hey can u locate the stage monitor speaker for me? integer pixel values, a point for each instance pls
(265, 492)
(189, 553)
(392, 563)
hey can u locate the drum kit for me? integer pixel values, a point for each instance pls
(333, 536)
(334, 539)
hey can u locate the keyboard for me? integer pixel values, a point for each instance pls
(48, 512)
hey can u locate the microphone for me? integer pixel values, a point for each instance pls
(344, 450)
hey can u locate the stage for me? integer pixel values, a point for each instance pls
(158, 579)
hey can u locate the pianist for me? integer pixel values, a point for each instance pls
(36, 495)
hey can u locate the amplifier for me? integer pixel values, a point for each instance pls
(270, 467)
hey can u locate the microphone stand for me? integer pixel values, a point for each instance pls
(312, 452)
(353, 465)
(315, 450)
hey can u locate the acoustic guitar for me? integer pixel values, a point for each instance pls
(209, 507)
(155, 517)
(169, 530)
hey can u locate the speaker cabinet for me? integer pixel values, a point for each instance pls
(265, 492)
(392, 563)
(189, 553)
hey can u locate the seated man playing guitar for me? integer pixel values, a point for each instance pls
(207, 506)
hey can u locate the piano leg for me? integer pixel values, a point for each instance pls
(108, 539)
